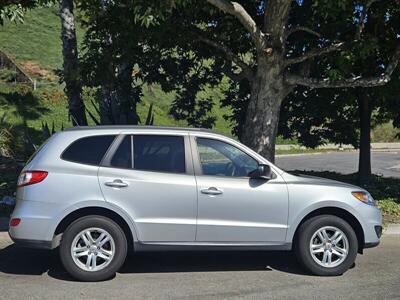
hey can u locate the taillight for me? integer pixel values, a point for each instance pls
(15, 222)
(31, 177)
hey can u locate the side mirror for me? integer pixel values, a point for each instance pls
(262, 172)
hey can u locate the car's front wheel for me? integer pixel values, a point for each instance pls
(326, 245)
(93, 248)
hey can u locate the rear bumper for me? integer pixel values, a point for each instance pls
(33, 243)
(36, 226)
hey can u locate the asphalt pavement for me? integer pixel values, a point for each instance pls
(37, 274)
(386, 163)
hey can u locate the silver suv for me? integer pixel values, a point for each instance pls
(98, 192)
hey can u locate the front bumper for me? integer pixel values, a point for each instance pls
(371, 245)
(372, 225)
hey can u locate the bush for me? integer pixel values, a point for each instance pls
(7, 75)
(385, 133)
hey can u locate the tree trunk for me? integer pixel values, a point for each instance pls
(127, 104)
(262, 114)
(268, 89)
(364, 164)
(118, 105)
(73, 87)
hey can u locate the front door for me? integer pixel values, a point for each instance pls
(232, 207)
(149, 176)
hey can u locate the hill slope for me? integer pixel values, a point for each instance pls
(36, 46)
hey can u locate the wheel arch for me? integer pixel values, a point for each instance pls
(341, 213)
(99, 211)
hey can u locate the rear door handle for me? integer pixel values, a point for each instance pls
(118, 183)
(211, 191)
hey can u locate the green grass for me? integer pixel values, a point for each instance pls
(37, 39)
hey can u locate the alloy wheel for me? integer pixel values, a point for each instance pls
(93, 249)
(329, 246)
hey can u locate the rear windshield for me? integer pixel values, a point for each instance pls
(89, 150)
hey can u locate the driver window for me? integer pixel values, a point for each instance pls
(221, 159)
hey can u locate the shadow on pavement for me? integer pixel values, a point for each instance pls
(212, 261)
(24, 261)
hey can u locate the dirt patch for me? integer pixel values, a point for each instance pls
(33, 69)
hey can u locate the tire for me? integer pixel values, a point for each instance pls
(311, 232)
(107, 248)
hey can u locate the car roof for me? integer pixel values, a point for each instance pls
(141, 127)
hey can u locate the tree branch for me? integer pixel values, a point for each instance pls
(357, 81)
(246, 69)
(301, 28)
(237, 10)
(313, 53)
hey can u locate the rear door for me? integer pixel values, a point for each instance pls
(151, 177)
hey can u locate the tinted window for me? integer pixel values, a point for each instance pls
(88, 150)
(221, 159)
(159, 153)
(122, 158)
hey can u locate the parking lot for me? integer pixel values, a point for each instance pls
(37, 274)
(385, 163)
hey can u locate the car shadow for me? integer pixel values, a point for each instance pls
(24, 261)
(212, 261)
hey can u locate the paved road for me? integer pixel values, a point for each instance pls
(34, 274)
(385, 163)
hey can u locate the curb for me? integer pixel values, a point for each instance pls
(393, 151)
(306, 154)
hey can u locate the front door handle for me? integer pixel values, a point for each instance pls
(211, 191)
(118, 183)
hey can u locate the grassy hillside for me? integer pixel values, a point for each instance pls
(37, 39)
(36, 46)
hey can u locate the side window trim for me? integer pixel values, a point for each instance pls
(132, 153)
(106, 162)
(196, 157)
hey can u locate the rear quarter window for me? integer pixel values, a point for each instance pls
(88, 150)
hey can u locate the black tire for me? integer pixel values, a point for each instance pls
(303, 239)
(81, 224)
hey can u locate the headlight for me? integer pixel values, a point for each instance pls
(364, 197)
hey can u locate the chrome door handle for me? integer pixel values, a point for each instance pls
(116, 183)
(211, 191)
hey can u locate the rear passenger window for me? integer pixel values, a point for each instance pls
(89, 150)
(159, 153)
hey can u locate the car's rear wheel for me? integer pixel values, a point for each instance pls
(93, 248)
(326, 245)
